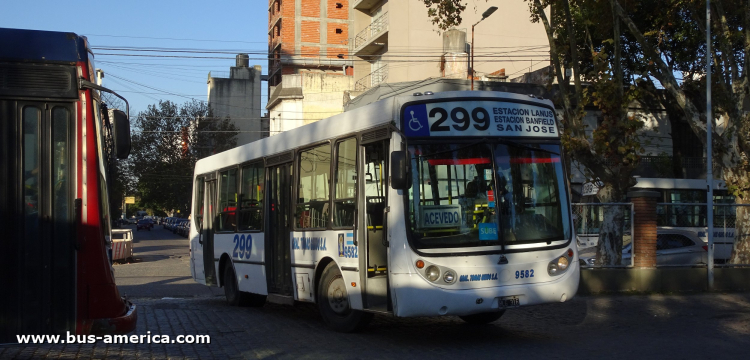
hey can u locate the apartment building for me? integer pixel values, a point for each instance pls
(395, 41)
(309, 62)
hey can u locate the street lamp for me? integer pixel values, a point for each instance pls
(485, 15)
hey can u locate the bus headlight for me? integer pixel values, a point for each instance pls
(562, 263)
(432, 273)
(449, 277)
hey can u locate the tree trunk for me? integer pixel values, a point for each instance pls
(609, 248)
(741, 247)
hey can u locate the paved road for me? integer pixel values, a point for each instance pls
(161, 267)
(618, 327)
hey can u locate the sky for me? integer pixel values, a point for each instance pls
(233, 26)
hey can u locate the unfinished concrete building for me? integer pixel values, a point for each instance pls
(309, 66)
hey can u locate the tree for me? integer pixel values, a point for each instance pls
(584, 36)
(672, 39)
(163, 169)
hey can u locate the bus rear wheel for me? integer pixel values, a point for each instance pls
(482, 318)
(234, 296)
(333, 302)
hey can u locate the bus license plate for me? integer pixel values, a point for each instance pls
(509, 302)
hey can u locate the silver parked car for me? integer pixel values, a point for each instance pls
(673, 247)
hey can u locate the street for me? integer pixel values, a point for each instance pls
(619, 327)
(161, 269)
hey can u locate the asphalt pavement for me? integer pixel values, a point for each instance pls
(161, 267)
(707, 325)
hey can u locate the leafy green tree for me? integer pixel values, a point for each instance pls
(167, 141)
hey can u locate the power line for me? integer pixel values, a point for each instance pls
(178, 39)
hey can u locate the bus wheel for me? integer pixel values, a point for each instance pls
(333, 302)
(234, 296)
(483, 318)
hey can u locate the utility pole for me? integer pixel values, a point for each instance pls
(485, 15)
(709, 159)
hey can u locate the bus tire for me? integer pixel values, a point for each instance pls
(234, 296)
(483, 318)
(333, 303)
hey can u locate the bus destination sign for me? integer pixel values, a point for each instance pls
(479, 118)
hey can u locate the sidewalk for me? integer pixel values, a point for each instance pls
(626, 327)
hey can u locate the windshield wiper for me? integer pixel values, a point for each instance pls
(524, 146)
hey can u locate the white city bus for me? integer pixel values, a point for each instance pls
(452, 203)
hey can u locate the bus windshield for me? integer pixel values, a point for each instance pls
(484, 194)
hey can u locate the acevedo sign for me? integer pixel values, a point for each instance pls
(479, 118)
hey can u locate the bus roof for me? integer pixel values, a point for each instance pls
(24, 45)
(379, 113)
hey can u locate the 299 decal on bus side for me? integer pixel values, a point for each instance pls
(479, 118)
(242, 246)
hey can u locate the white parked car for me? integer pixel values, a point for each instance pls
(673, 247)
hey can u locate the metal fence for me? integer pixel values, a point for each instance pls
(377, 26)
(681, 236)
(588, 220)
(372, 79)
(688, 222)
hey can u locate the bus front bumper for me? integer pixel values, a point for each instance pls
(415, 297)
(119, 325)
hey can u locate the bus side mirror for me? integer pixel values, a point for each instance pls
(121, 134)
(399, 171)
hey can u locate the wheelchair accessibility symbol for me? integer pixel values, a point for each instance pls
(414, 123)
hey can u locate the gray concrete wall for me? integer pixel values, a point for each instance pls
(239, 98)
(594, 281)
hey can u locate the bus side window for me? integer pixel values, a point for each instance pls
(251, 198)
(313, 191)
(227, 201)
(198, 211)
(344, 203)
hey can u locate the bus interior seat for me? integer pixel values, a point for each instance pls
(344, 214)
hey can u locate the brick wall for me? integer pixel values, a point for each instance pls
(333, 52)
(287, 26)
(337, 38)
(310, 51)
(310, 31)
(310, 8)
(644, 223)
(338, 9)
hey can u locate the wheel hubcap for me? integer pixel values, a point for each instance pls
(337, 298)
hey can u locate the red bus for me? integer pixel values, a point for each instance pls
(58, 142)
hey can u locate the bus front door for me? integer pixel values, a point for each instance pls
(375, 244)
(278, 258)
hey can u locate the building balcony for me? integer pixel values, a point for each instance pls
(372, 79)
(274, 43)
(365, 5)
(274, 66)
(372, 39)
(274, 21)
